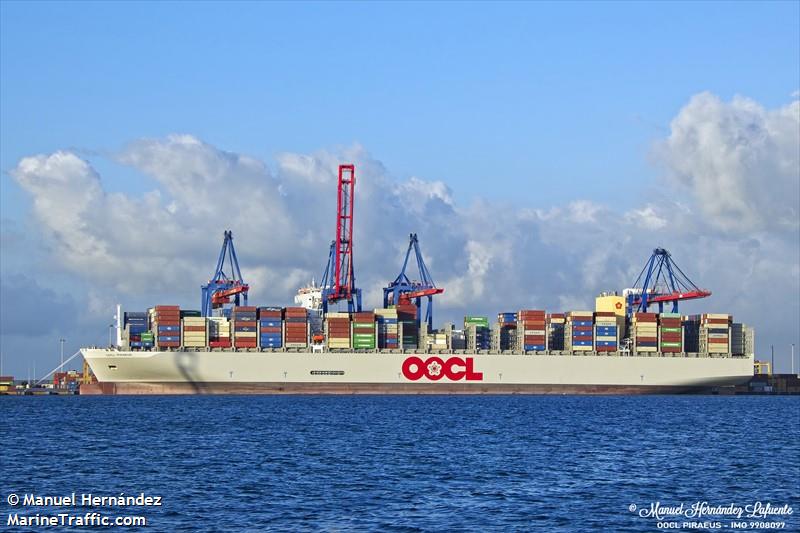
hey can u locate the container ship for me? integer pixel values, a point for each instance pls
(230, 347)
(272, 350)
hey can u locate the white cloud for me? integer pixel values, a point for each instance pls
(740, 162)
(647, 217)
(162, 245)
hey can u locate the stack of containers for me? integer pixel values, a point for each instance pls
(737, 338)
(715, 333)
(135, 326)
(458, 340)
(749, 341)
(555, 331)
(437, 340)
(165, 322)
(691, 333)
(578, 331)
(507, 322)
(219, 332)
(245, 327)
(193, 330)
(295, 323)
(531, 330)
(478, 326)
(644, 332)
(148, 340)
(387, 328)
(337, 330)
(606, 338)
(409, 330)
(670, 333)
(364, 330)
(270, 327)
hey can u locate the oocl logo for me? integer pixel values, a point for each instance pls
(435, 368)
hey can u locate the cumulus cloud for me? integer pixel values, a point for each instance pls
(163, 244)
(740, 161)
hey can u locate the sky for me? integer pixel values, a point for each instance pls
(540, 150)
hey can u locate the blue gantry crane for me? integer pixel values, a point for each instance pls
(404, 290)
(661, 281)
(225, 288)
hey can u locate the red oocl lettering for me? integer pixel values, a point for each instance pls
(413, 368)
(435, 368)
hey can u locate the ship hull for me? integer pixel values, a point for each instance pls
(187, 372)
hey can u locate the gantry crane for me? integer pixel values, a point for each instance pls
(342, 285)
(222, 288)
(404, 290)
(661, 281)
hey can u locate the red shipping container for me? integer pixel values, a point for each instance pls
(194, 328)
(219, 344)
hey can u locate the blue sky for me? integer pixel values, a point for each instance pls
(527, 105)
(458, 92)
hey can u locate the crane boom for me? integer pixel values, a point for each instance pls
(661, 281)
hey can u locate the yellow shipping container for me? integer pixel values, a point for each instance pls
(612, 304)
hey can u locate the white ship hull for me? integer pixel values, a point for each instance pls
(179, 372)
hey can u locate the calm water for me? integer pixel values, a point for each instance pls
(403, 463)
